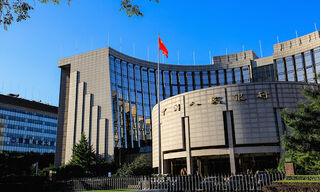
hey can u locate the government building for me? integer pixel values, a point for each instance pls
(222, 117)
(27, 126)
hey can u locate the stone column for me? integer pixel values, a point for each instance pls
(188, 150)
(230, 141)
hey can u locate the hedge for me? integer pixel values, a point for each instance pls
(297, 182)
(296, 188)
(303, 177)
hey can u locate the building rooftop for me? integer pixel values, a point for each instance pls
(15, 100)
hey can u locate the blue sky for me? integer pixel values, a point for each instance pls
(29, 50)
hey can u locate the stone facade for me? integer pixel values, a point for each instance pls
(225, 120)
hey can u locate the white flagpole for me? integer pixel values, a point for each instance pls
(178, 57)
(133, 50)
(108, 40)
(260, 48)
(194, 58)
(158, 98)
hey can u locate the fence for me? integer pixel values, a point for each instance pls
(217, 182)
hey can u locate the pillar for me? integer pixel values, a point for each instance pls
(231, 144)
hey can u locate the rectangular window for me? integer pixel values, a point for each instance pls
(290, 68)
(245, 74)
(221, 77)
(237, 75)
(281, 70)
(213, 78)
(309, 66)
(189, 81)
(197, 80)
(167, 84)
(316, 53)
(174, 83)
(205, 80)
(299, 67)
(229, 76)
(182, 82)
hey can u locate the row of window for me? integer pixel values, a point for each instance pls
(27, 112)
(32, 129)
(27, 120)
(134, 95)
(302, 67)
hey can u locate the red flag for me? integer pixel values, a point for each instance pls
(163, 48)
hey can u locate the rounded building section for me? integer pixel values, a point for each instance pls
(221, 129)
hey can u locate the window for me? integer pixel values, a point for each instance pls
(221, 77)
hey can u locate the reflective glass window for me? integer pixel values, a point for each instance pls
(316, 53)
(299, 67)
(309, 66)
(189, 81)
(205, 80)
(197, 80)
(174, 83)
(229, 76)
(237, 75)
(290, 68)
(133, 102)
(167, 84)
(182, 82)
(245, 74)
(213, 78)
(221, 77)
(281, 70)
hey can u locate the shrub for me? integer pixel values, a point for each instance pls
(140, 166)
(283, 187)
(69, 171)
(298, 182)
(303, 177)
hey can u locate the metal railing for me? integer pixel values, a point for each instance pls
(216, 182)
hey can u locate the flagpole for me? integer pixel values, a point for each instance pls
(158, 93)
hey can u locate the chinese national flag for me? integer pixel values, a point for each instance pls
(163, 48)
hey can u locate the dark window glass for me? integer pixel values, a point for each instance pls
(197, 80)
(213, 78)
(309, 66)
(229, 76)
(189, 81)
(245, 73)
(182, 82)
(205, 80)
(221, 77)
(237, 75)
(167, 84)
(174, 83)
(299, 67)
(281, 71)
(316, 53)
(290, 68)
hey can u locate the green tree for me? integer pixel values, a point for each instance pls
(303, 139)
(18, 10)
(82, 154)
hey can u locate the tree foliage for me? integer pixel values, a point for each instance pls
(18, 10)
(140, 166)
(82, 154)
(302, 142)
(131, 8)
